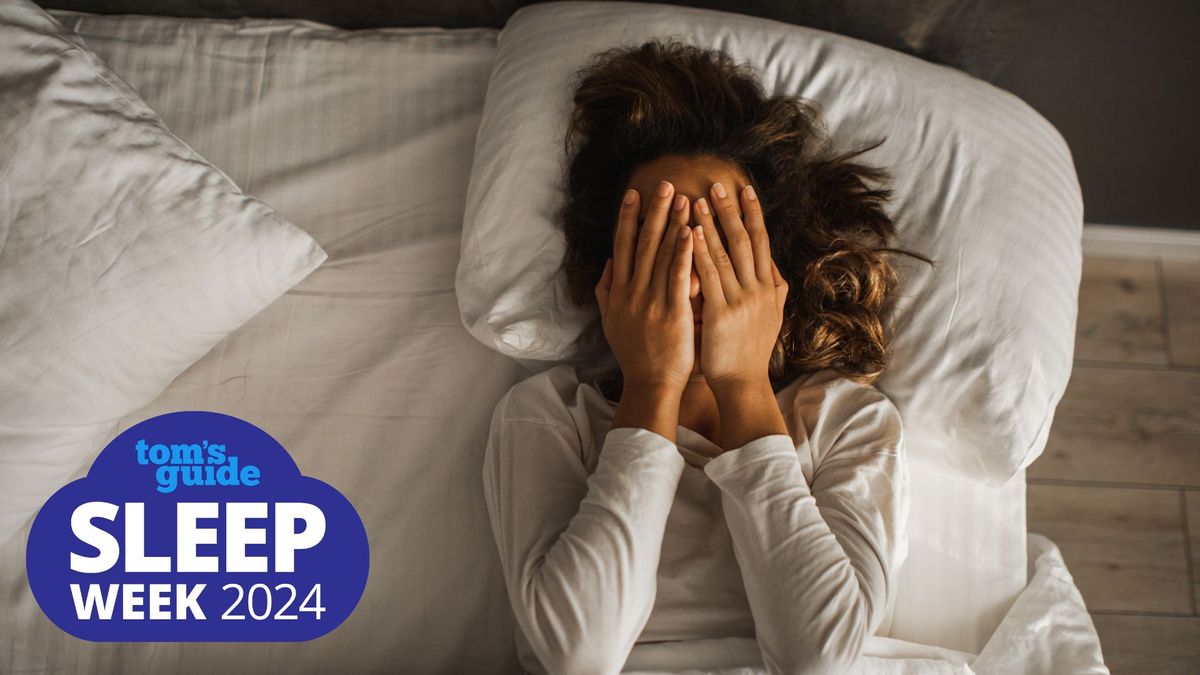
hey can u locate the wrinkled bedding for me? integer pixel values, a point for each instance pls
(366, 374)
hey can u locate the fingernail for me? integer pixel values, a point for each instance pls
(700, 232)
(629, 195)
(703, 205)
(719, 189)
(750, 193)
(664, 189)
(679, 200)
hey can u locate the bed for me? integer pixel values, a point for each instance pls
(365, 372)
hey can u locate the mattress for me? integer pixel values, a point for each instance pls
(364, 371)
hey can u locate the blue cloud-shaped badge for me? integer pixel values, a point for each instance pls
(197, 527)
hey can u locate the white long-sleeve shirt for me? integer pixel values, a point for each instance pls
(611, 538)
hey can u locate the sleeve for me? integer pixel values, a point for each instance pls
(579, 553)
(817, 557)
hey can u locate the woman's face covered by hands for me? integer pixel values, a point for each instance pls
(709, 195)
(691, 178)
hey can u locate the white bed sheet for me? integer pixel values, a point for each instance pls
(364, 370)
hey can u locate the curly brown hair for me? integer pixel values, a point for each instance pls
(824, 211)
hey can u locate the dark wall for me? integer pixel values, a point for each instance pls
(1121, 81)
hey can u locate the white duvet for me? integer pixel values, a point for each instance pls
(366, 374)
(1047, 630)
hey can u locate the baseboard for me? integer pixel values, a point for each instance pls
(1141, 242)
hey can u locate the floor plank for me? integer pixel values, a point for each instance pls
(1126, 425)
(1120, 312)
(1129, 418)
(1181, 282)
(1193, 519)
(1123, 546)
(1134, 645)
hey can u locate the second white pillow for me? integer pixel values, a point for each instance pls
(124, 257)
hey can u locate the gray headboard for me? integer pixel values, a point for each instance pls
(974, 35)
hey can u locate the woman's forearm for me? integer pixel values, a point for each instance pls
(650, 406)
(815, 546)
(748, 410)
(585, 600)
(579, 558)
(812, 609)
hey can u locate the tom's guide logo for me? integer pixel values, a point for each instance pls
(199, 527)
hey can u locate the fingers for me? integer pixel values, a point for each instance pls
(625, 238)
(715, 251)
(760, 243)
(680, 281)
(740, 248)
(604, 288)
(651, 237)
(781, 286)
(710, 277)
(668, 251)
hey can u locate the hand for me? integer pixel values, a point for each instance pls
(643, 294)
(743, 292)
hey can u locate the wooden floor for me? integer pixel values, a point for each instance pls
(1118, 488)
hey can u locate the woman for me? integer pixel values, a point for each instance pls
(738, 476)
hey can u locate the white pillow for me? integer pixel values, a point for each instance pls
(124, 257)
(983, 184)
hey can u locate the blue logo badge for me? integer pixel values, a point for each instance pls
(197, 527)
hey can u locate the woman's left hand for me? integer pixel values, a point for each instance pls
(743, 291)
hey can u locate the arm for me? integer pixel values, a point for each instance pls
(579, 554)
(651, 407)
(817, 558)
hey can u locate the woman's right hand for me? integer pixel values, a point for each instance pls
(643, 293)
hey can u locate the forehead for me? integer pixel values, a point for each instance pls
(691, 176)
